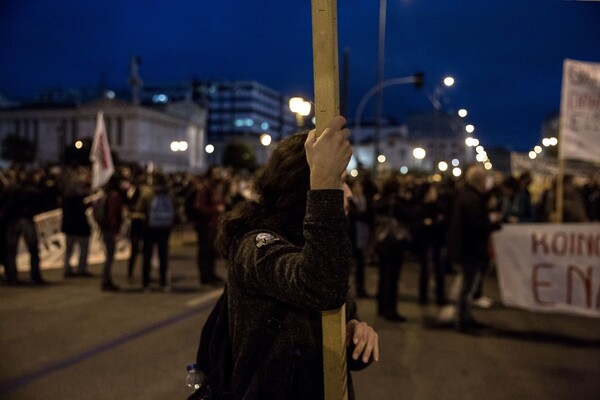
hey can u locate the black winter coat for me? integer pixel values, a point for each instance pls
(75, 220)
(470, 226)
(265, 268)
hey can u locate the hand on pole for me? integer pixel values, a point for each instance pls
(328, 155)
(364, 339)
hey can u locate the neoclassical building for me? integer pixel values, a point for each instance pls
(136, 133)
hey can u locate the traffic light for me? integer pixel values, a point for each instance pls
(419, 79)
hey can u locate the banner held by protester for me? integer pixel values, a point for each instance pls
(580, 111)
(550, 267)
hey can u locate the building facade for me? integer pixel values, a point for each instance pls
(240, 111)
(137, 134)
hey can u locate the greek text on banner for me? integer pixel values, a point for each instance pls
(550, 267)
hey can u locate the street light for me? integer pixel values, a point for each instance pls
(265, 139)
(179, 146)
(449, 81)
(419, 153)
(438, 91)
(462, 113)
(301, 108)
(376, 89)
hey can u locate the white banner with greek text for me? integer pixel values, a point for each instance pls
(580, 111)
(550, 267)
(52, 244)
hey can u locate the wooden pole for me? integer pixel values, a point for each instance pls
(327, 106)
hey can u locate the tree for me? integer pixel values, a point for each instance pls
(239, 156)
(18, 150)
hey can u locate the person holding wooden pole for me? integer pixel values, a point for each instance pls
(291, 246)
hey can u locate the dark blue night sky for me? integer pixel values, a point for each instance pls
(506, 55)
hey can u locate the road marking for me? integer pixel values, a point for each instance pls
(199, 304)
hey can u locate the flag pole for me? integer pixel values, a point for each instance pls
(326, 81)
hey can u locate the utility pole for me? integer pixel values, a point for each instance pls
(380, 73)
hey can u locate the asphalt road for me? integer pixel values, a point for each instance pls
(69, 340)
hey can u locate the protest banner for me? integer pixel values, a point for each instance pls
(52, 243)
(580, 111)
(550, 267)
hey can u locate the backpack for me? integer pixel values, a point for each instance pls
(161, 213)
(215, 355)
(99, 210)
(388, 229)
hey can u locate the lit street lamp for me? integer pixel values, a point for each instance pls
(179, 146)
(301, 108)
(438, 91)
(265, 139)
(419, 153)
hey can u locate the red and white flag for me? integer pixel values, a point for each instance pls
(102, 163)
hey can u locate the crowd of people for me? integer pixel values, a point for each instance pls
(437, 222)
(139, 206)
(444, 223)
(294, 235)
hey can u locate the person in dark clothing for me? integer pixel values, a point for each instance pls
(391, 245)
(136, 227)
(428, 238)
(111, 230)
(156, 205)
(468, 236)
(522, 207)
(75, 223)
(292, 246)
(208, 206)
(360, 216)
(22, 202)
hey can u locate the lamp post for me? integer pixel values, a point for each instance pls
(416, 79)
(380, 69)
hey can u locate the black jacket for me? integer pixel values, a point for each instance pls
(470, 226)
(74, 220)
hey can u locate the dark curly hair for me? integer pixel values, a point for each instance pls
(281, 187)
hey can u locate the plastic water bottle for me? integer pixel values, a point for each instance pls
(194, 377)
